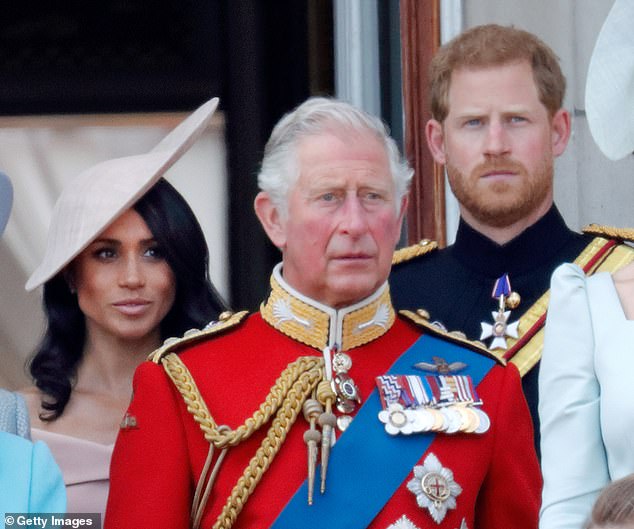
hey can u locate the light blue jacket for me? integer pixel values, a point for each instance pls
(14, 416)
(586, 406)
(30, 480)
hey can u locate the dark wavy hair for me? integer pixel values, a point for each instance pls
(177, 232)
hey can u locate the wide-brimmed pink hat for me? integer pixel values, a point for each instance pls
(6, 200)
(610, 83)
(96, 197)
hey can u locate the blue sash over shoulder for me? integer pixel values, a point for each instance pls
(354, 495)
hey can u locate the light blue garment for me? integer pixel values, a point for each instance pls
(586, 406)
(14, 416)
(30, 480)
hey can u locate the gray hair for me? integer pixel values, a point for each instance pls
(313, 117)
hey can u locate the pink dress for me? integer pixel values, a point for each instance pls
(85, 467)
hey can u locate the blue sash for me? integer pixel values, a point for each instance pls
(367, 465)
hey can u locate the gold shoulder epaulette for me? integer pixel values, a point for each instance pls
(415, 250)
(610, 232)
(421, 318)
(226, 320)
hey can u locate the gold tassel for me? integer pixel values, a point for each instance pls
(327, 421)
(312, 410)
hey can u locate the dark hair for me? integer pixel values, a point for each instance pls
(615, 505)
(493, 45)
(178, 234)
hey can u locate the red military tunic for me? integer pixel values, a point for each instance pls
(160, 454)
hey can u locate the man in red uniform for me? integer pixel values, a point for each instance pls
(326, 409)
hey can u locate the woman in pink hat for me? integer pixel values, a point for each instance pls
(126, 267)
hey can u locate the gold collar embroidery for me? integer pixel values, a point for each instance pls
(320, 326)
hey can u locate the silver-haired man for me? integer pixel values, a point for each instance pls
(426, 428)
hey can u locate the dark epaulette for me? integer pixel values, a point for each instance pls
(421, 319)
(227, 320)
(610, 232)
(415, 250)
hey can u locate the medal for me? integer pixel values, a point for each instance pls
(128, 422)
(470, 419)
(454, 419)
(434, 488)
(396, 419)
(440, 421)
(435, 403)
(343, 421)
(501, 329)
(403, 398)
(485, 422)
(402, 523)
(343, 385)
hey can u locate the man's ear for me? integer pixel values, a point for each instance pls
(404, 203)
(271, 219)
(435, 140)
(560, 131)
(401, 214)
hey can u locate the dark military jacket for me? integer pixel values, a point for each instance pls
(455, 284)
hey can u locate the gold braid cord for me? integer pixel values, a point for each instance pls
(415, 250)
(624, 234)
(285, 400)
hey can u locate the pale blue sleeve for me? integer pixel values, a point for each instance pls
(574, 463)
(14, 416)
(48, 493)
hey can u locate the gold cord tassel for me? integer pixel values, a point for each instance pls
(312, 410)
(283, 404)
(327, 421)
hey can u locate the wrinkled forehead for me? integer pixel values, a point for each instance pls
(347, 134)
(339, 146)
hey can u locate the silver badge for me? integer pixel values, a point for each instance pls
(440, 366)
(348, 396)
(485, 422)
(434, 488)
(500, 329)
(402, 523)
